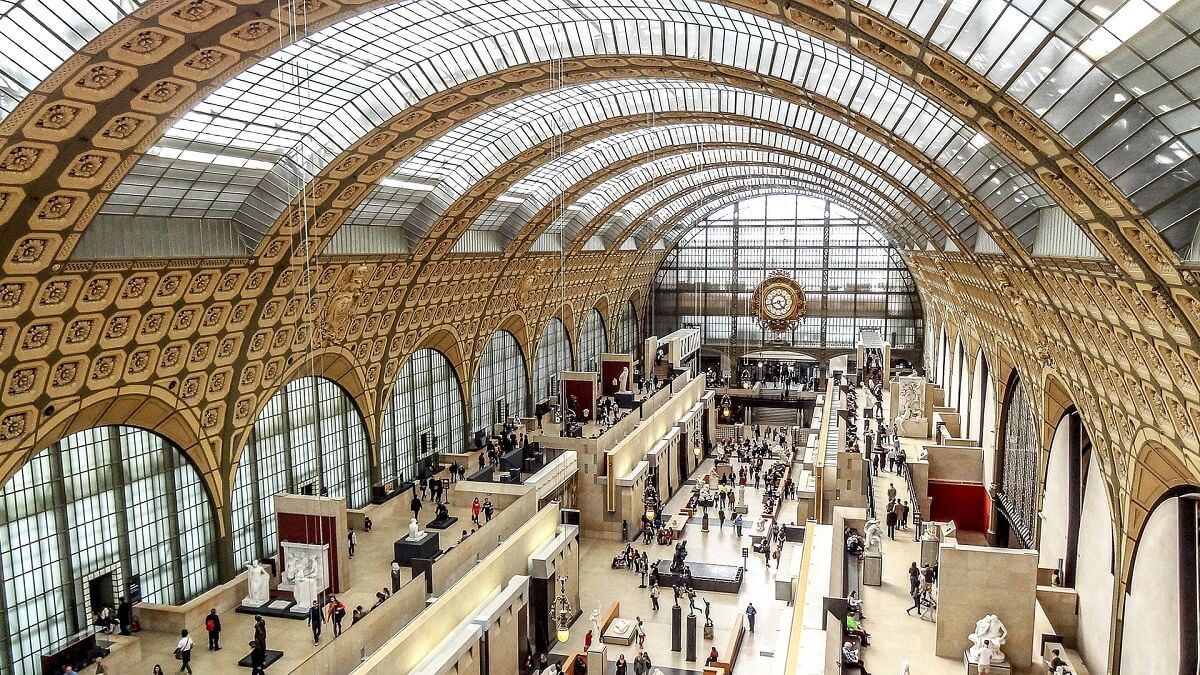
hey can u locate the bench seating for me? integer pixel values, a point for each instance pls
(1072, 657)
(725, 667)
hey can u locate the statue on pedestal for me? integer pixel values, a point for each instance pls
(741, 496)
(302, 573)
(595, 619)
(442, 512)
(414, 530)
(929, 532)
(874, 536)
(623, 380)
(991, 629)
(258, 585)
(707, 613)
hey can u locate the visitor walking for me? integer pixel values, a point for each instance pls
(415, 506)
(183, 651)
(335, 611)
(891, 524)
(750, 614)
(488, 509)
(476, 509)
(351, 541)
(212, 624)
(622, 667)
(258, 659)
(891, 492)
(314, 621)
(737, 524)
(721, 517)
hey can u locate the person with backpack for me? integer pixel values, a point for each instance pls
(212, 624)
(183, 651)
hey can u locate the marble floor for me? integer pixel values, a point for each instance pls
(370, 570)
(762, 651)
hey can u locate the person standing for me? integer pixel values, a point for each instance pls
(258, 659)
(183, 650)
(352, 541)
(124, 615)
(314, 622)
(260, 632)
(986, 656)
(622, 667)
(904, 515)
(476, 509)
(335, 611)
(488, 509)
(415, 506)
(750, 614)
(654, 597)
(891, 524)
(737, 524)
(212, 624)
(641, 635)
(891, 492)
(643, 567)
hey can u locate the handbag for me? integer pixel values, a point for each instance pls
(178, 654)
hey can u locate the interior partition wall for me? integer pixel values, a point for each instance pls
(500, 383)
(593, 341)
(553, 356)
(88, 515)
(852, 277)
(425, 414)
(309, 438)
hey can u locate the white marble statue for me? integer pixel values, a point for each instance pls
(760, 526)
(988, 628)
(706, 496)
(305, 571)
(624, 380)
(595, 619)
(620, 627)
(929, 532)
(874, 536)
(414, 530)
(912, 400)
(741, 496)
(258, 585)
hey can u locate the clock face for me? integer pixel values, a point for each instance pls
(778, 302)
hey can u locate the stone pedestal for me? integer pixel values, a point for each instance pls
(704, 523)
(597, 658)
(691, 638)
(708, 632)
(406, 549)
(873, 569)
(676, 629)
(929, 551)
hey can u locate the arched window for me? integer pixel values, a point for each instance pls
(424, 415)
(593, 342)
(1018, 482)
(96, 509)
(553, 355)
(627, 330)
(309, 437)
(500, 378)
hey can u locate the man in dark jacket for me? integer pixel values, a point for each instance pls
(212, 624)
(314, 621)
(124, 615)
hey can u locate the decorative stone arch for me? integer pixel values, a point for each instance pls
(444, 339)
(144, 406)
(336, 364)
(1158, 474)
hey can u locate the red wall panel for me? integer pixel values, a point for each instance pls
(583, 392)
(964, 503)
(609, 371)
(306, 529)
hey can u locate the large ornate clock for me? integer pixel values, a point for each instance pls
(778, 303)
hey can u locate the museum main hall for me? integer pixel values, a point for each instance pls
(635, 337)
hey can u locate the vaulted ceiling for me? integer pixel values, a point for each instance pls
(196, 196)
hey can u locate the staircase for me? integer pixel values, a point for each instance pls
(775, 417)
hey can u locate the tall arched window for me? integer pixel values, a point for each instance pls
(500, 379)
(553, 355)
(424, 415)
(1018, 482)
(309, 436)
(98, 507)
(593, 342)
(627, 330)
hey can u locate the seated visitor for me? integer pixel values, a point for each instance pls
(853, 627)
(850, 657)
